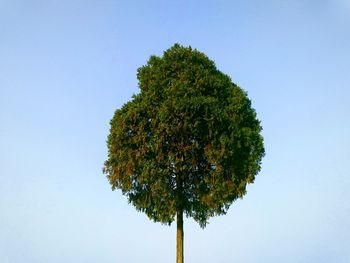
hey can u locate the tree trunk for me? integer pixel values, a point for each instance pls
(180, 238)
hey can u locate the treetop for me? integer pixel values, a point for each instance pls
(189, 140)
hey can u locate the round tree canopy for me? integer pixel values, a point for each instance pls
(189, 141)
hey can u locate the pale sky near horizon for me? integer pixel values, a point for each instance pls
(66, 66)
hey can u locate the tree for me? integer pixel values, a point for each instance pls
(187, 144)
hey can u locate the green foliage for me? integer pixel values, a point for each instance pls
(189, 141)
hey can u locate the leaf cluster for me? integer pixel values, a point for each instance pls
(188, 141)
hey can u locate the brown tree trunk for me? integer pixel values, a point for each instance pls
(180, 237)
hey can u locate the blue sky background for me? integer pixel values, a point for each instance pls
(65, 66)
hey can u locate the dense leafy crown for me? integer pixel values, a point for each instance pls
(189, 141)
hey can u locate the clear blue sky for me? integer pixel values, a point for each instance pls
(65, 66)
